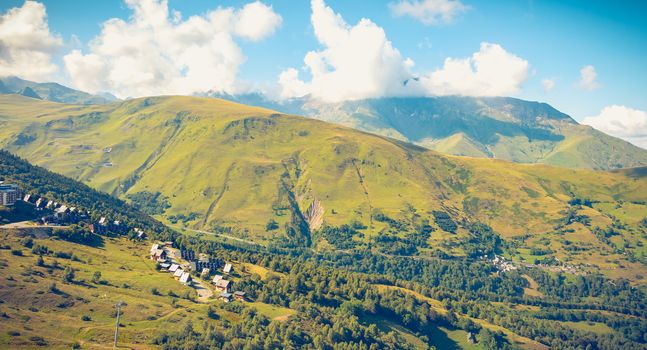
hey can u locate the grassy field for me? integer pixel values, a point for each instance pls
(225, 166)
(39, 307)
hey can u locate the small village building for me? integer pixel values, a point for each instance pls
(27, 198)
(154, 247)
(165, 266)
(50, 204)
(228, 268)
(224, 285)
(239, 295)
(225, 296)
(173, 268)
(185, 278)
(40, 203)
(205, 272)
(158, 255)
(216, 278)
(178, 273)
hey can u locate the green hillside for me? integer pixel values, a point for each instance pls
(57, 291)
(251, 173)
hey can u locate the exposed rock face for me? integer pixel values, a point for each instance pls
(314, 214)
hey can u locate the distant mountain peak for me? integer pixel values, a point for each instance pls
(50, 91)
(29, 92)
(489, 127)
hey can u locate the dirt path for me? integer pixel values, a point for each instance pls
(204, 292)
(215, 234)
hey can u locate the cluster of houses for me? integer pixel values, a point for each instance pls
(59, 213)
(502, 265)
(202, 263)
(104, 226)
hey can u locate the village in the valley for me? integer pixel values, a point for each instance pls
(194, 270)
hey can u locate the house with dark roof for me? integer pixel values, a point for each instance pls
(224, 296)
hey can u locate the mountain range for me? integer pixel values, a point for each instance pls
(213, 165)
(51, 92)
(489, 127)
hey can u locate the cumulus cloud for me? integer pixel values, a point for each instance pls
(155, 52)
(626, 123)
(548, 84)
(429, 12)
(356, 62)
(491, 71)
(588, 78)
(26, 44)
(359, 62)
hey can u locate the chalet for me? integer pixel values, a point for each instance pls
(178, 273)
(173, 268)
(185, 278)
(228, 268)
(140, 233)
(225, 296)
(158, 255)
(62, 213)
(155, 247)
(224, 285)
(50, 204)
(216, 278)
(27, 198)
(165, 266)
(205, 272)
(40, 203)
(239, 295)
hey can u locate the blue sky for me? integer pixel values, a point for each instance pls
(556, 39)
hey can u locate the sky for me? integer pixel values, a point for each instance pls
(585, 57)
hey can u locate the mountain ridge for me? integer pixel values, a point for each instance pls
(491, 127)
(54, 92)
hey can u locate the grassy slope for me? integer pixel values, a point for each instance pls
(30, 309)
(226, 162)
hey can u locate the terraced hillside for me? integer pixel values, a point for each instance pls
(255, 174)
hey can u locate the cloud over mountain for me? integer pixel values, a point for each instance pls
(26, 43)
(492, 71)
(356, 61)
(154, 53)
(360, 62)
(623, 122)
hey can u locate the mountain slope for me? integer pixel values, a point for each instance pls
(52, 92)
(220, 166)
(490, 127)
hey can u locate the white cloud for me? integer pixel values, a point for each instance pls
(357, 61)
(256, 21)
(548, 84)
(26, 44)
(429, 12)
(491, 71)
(156, 53)
(588, 78)
(360, 62)
(623, 122)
